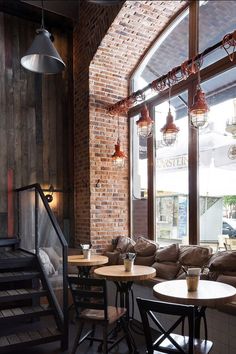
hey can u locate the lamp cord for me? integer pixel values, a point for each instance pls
(169, 94)
(42, 21)
(118, 139)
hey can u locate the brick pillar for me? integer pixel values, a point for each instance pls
(108, 45)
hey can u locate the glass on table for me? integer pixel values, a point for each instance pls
(128, 264)
(192, 278)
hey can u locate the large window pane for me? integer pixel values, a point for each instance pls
(217, 159)
(172, 176)
(216, 18)
(139, 185)
(164, 54)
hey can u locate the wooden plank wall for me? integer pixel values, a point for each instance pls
(36, 120)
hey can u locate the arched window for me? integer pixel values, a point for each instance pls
(181, 193)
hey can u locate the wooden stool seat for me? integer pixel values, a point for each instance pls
(113, 314)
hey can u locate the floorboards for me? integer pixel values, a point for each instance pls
(54, 348)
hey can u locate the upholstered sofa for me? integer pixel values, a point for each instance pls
(168, 260)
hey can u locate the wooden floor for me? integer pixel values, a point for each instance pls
(54, 348)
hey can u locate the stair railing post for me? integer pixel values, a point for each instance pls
(36, 222)
(18, 213)
(65, 300)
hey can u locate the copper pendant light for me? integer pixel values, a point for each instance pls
(119, 157)
(145, 123)
(199, 110)
(169, 130)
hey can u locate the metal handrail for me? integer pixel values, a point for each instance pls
(49, 211)
(56, 227)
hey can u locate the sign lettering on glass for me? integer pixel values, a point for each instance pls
(173, 162)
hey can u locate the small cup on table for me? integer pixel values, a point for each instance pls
(129, 264)
(86, 248)
(87, 254)
(129, 261)
(192, 278)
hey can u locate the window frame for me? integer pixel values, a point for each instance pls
(190, 86)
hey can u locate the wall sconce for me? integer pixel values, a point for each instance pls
(49, 196)
(145, 123)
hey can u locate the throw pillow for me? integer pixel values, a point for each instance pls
(166, 270)
(194, 255)
(123, 243)
(145, 261)
(113, 257)
(47, 265)
(53, 256)
(145, 247)
(223, 261)
(168, 254)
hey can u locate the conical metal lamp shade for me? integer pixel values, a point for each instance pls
(42, 57)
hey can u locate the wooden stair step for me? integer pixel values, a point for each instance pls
(15, 258)
(20, 294)
(29, 338)
(24, 312)
(15, 276)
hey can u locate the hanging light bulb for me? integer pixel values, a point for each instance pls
(199, 110)
(169, 130)
(145, 123)
(42, 57)
(118, 158)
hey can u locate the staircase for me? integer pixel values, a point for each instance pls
(29, 314)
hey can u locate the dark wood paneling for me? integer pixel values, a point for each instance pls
(36, 125)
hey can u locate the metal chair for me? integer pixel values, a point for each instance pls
(165, 340)
(90, 301)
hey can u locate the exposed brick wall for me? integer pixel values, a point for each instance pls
(103, 213)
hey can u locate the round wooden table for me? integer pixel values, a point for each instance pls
(84, 265)
(209, 293)
(124, 280)
(118, 273)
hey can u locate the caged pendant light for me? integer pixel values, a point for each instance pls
(169, 130)
(42, 57)
(145, 123)
(199, 110)
(119, 157)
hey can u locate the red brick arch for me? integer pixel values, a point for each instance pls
(102, 213)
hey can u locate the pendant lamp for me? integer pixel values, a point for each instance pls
(42, 57)
(199, 110)
(169, 130)
(145, 123)
(119, 157)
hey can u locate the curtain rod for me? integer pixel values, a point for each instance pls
(187, 68)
